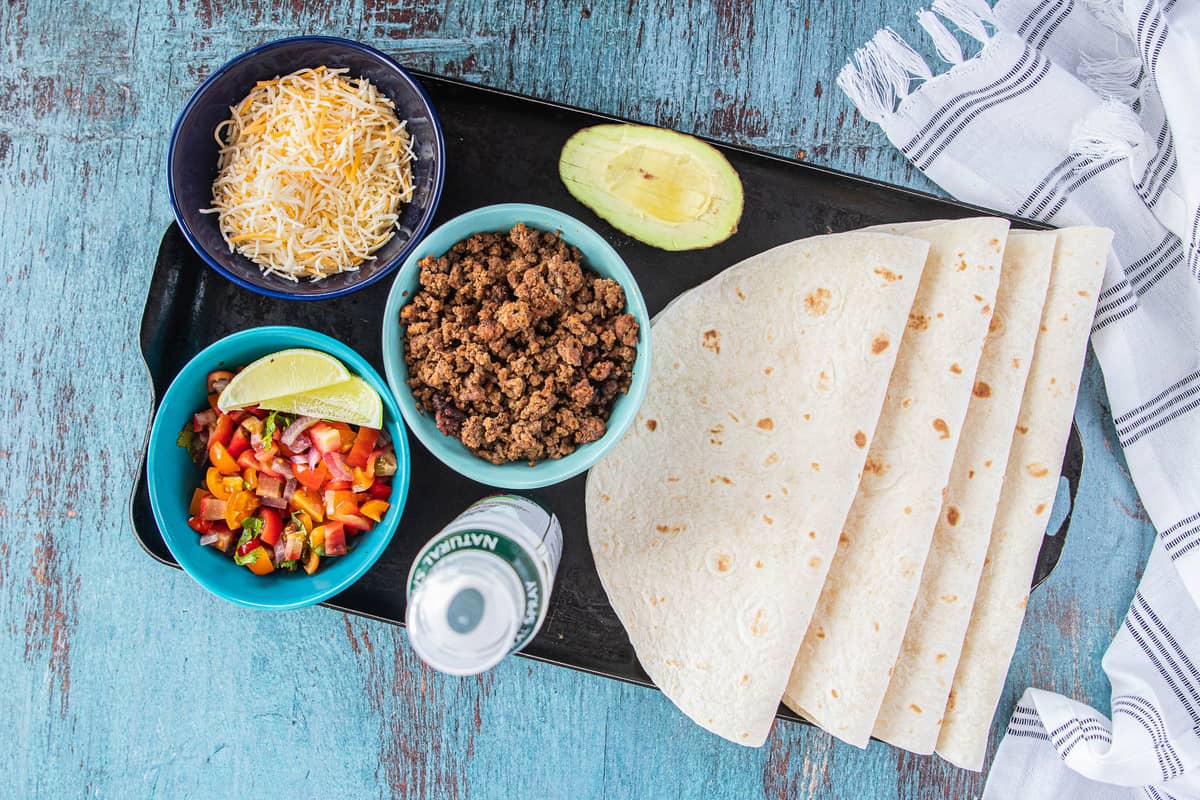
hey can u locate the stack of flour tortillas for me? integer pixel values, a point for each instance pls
(838, 484)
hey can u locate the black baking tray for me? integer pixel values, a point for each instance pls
(502, 147)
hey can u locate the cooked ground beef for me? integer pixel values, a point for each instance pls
(515, 348)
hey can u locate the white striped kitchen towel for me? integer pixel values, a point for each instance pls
(1087, 112)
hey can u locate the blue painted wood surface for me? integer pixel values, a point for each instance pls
(124, 679)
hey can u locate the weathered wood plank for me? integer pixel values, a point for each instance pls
(128, 680)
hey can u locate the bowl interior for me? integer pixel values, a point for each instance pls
(599, 257)
(172, 476)
(192, 161)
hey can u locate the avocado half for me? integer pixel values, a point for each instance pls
(667, 189)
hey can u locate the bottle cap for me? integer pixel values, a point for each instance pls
(463, 618)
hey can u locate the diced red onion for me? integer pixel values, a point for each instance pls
(273, 502)
(289, 489)
(337, 467)
(256, 442)
(295, 429)
(203, 419)
(284, 468)
(314, 457)
(279, 550)
(384, 438)
(208, 538)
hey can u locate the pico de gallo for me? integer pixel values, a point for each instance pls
(282, 492)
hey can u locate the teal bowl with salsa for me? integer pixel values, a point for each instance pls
(172, 476)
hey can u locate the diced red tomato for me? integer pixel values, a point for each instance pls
(266, 464)
(293, 546)
(212, 509)
(364, 443)
(249, 545)
(224, 430)
(272, 525)
(380, 490)
(200, 525)
(218, 379)
(257, 412)
(220, 458)
(339, 486)
(325, 438)
(212, 402)
(246, 460)
(353, 522)
(335, 539)
(309, 477)
(238, 443)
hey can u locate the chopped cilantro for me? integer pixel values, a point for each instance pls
(251, 527)
(289, 564)
(271, 424)
(185, 438)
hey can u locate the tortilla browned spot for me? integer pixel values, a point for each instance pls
(982, 389)
(860, 438)
(942, 428)
(880, 343)
(816, 302)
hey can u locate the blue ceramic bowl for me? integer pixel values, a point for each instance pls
(599, 257)
(192, 158)
(172, 476)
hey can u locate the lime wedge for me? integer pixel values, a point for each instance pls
(284, 373)
(352, 401)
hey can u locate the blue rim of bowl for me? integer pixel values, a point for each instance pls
(479, 472)
(418, 233)
(403, 457)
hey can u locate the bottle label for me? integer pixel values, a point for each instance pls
(500, 545)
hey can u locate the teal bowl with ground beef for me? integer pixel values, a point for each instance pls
(577, 421)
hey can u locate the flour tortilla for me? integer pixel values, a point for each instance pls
(911, 714)
(844, 663)
(1027, 495)
(713, 521)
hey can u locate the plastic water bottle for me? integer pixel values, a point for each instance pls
(479, 590)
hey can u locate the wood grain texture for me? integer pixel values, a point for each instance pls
(125, 679)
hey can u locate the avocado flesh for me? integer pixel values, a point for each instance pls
(663, 188)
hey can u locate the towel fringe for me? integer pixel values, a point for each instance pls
(880, 75)
(1110, 131)
(947, 46)
(1114, 78)
(968, 15)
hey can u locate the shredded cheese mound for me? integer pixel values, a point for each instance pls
(312, 171)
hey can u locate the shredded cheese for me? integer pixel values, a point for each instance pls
(312, 171)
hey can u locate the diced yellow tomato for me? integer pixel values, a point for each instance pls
(305, 521)
(317, 537)
(347, 434)
(221, 459)
(374, 509)
(212, 479)
(239, 506)
(363, 478)
(307, 501)
(233, 484)
(194, 506)
(212, 401)
(250, 476)
(261, 565)
(312, 562)
(340, 502)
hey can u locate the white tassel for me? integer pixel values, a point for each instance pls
(1111, 131)
(880, 75)
(947, 46)
(968, 15)
(1113, 78)
(1110, 14)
